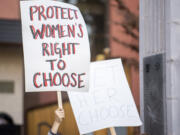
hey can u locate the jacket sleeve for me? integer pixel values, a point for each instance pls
(50, 133)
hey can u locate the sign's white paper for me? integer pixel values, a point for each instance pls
(109, 102)
(55, 45)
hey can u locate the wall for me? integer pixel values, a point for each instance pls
(160, 32)
(9, 9)
(11, 69)
(124, 38)
(152, 42)
(172, 66)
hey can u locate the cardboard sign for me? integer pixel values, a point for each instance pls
(109, 102)
(55, 45)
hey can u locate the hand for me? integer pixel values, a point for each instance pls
(59, 115)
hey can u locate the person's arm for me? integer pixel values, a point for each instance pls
(59, 115)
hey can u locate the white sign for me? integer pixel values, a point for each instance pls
(55, 45)
(109, 102)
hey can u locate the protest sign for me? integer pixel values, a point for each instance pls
(109, 102)
(55, 45)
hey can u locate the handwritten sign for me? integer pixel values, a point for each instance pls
(108, 103)
(55, 45)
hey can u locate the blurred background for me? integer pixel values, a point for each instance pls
(113, 28)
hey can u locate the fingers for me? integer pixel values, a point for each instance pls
(60, 113)
(59, 109)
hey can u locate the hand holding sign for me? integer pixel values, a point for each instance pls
(55, 44)
(59, 116)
